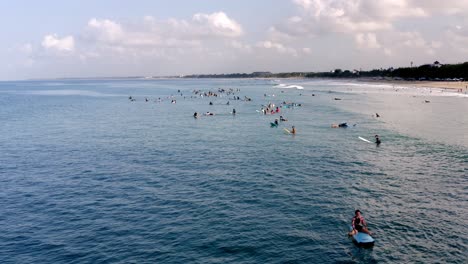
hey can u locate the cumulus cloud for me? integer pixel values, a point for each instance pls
(168, 33)
(105, 30)
(218, 23)
(147, 41)
(319, 17)
(53, 42)
(328, 16)
(354, 30)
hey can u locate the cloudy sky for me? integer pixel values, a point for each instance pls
(88, 38)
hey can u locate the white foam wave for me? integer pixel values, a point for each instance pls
(288, 86)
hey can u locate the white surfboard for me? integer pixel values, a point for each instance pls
(286, 131)
(363, 139)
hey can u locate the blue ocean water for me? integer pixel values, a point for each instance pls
(88, 176)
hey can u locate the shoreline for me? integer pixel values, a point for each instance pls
(460, 86)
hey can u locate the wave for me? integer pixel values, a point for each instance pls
(288, 86)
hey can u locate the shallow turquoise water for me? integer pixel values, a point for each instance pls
(87, 176)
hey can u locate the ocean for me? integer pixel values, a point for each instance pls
(89, 176)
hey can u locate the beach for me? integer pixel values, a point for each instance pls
(453, 85)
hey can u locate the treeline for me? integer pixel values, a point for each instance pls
(435, 71)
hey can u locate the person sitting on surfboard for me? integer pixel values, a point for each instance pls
(276, 121)
(359, 224)
(377, 140)
(282, 119)
(293, 130)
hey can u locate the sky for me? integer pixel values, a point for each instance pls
(111, 38)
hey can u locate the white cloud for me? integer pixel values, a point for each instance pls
(318, 17)
(53, 42)
(218, 24)
(280, 48)
(106, 30)
(170, 33)
(148, 41)
(459, 38)
(367, 41)
(443, 7)
(326, 16)
(240, 46)
(409, 42)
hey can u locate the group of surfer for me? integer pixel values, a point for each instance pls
(196, 115)
(215, 94)
(276, 123)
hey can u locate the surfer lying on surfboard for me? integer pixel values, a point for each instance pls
(343, 125)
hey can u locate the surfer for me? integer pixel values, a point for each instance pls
(377, 115)
(377, 140)
(359, 224)
(344, 125)
(276, 121)
(282, 119)
(233, 111)
(195, 115)
(293, 130)
(211, 103)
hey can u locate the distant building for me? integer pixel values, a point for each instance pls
(436, 64)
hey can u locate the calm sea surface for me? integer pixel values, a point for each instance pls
(87, 176)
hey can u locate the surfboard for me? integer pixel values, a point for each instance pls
(273, 125)
(363, 139)
(286, 131)
(362, 239)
